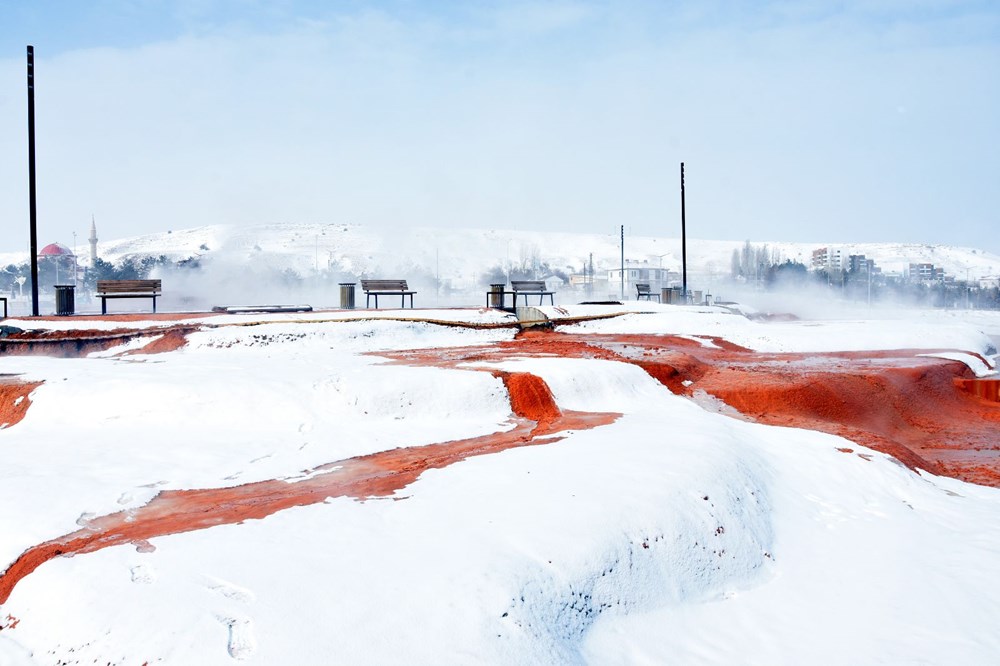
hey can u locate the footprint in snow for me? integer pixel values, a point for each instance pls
(242, 642)
(143, 573)
(85, 519)
(231, 590)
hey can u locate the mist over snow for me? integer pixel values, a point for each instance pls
(303, 263)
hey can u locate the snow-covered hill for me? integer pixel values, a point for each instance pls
(459, 257)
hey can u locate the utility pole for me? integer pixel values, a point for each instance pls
(623, 262)
(684, 254)
(32, 210)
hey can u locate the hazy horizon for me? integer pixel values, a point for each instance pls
(815, 122)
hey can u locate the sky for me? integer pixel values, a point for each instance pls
(812, 121)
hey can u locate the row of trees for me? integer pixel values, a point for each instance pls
(59, 271)
(764, 266)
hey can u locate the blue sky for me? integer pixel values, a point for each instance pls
(806, 121)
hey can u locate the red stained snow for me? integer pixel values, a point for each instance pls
(929, 413)
(14, 400)
(537, 417)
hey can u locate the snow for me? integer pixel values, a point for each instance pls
(482, 317)
(981, 367)
(787, 336)
(673, 535)
(242, 262)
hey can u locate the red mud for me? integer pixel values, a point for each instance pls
(171, 340)
(75, 343)
(14, 400)
(929, 413)
(987, 389)
(376, 475)
(894, 401)
(926, 412)
(127, 316)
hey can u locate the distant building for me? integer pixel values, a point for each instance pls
(826, 259)
(641, 273)
(925, 273)
(59, 261)
(859, 264)
(553, 282)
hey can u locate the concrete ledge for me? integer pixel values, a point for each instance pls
(528, 316)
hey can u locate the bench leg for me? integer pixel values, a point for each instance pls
(154, 304)
(552, 300)
(104, 306)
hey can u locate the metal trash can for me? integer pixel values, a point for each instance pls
(697, 297)
(65, 299)
(347, 295)
(497, 296)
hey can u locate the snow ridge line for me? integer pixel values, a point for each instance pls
(54, 338)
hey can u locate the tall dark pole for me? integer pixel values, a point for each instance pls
(684, 250)
(32, 213)
(623, 262)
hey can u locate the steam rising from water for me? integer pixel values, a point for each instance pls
(228, 278)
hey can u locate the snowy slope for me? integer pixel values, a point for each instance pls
(671, 535)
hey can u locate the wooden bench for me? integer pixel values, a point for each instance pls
(530, 288)
(127, 289)
(642, 291)
(378, 288)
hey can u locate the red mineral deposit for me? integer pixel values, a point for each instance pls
(929, 413)
(14, 400)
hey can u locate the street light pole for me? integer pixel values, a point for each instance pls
(684, 255)
(623, 261)
(32, 210)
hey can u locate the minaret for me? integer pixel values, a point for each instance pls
(93, 241)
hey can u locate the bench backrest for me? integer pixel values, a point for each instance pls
(527, 285)
(128, 286)
(642, 288)
(384, 285)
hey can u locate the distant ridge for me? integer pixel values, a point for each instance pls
(461, 255)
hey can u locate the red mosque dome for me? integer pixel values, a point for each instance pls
(55, 250)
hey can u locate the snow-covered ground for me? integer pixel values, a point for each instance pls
(673, 535)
